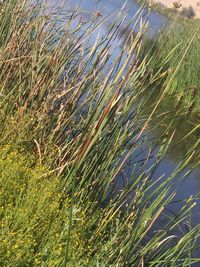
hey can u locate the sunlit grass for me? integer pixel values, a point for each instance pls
(176, 51)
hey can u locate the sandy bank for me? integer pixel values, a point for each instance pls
(190, 8)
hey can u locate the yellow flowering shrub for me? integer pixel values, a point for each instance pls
(33, 226)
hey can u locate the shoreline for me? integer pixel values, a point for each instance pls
(187, 8)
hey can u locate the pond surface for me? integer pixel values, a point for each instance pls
(105, 8)
(112, 7)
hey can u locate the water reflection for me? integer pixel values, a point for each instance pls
(181, 124)
(112, 8)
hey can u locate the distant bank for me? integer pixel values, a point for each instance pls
(189, 8)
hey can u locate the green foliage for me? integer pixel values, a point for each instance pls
(33, 225)
(176, 50)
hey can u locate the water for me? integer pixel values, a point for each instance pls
(112, 7)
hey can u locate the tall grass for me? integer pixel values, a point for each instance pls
(72, 119)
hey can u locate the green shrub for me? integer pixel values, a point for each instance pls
(33, 225)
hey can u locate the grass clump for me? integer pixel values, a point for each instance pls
(176, 51)
(72, 120)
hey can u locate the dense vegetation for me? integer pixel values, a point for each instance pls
(73, 121)
(32, 223)
(176, 50)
